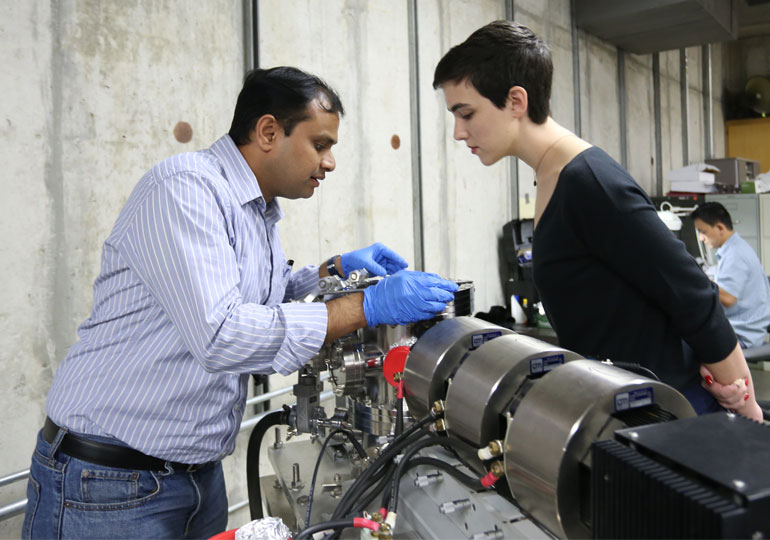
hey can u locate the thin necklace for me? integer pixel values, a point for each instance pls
(554, 143)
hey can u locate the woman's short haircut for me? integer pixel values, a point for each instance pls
(284, 92)
(497, 57)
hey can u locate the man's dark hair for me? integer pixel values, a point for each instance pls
(712, 213)
(284, 92)
(497, 57)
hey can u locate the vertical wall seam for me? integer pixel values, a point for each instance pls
(622, 108)
(658, 124)
(414, 102)
(513, 162)
(684, 100)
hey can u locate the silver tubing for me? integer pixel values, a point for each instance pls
(708, 109)
(15, 477)
(576, 70)
(622, 107)
(658, 134)
(513, 163)
(253, 421)
(414, 101)
(684, 105)
(248, 34)
(275, 393)
(13, 509)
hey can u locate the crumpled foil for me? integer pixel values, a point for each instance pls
(269, 528)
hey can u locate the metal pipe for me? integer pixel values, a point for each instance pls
(684, 99)
(237, 506)
(15, 477)
(248, 34)
(658, 134)
(513, 163)
(414, 102)
(253, 421)
(708, 110)
(13, 509)
(576, 70)
(275, 393)
(622, 108)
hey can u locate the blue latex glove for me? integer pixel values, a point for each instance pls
(407, 297)
(377, 259)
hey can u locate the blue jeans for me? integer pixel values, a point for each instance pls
(71, 498)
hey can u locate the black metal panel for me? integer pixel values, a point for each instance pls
(702, 477)
(646, 26)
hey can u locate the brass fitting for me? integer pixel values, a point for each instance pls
(397, 376)
(377, 517)
(438, 407)
(439, 425)
(385, 532)
(497, 468)
(495, 448)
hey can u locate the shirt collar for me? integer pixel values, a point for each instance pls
(240, 176)
(724, 248)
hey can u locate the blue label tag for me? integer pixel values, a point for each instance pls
(545, 364)
(477, 340)
(633, 399)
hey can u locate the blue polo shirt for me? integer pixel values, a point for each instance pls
(740, 273)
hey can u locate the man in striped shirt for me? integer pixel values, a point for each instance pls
(193, 298)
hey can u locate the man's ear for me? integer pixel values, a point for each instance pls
(721, 227)
(266, 132)
(517, 101)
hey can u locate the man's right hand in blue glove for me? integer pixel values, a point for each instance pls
(407, 297)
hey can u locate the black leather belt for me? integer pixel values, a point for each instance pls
(111, 455)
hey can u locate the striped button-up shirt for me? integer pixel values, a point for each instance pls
(191, 299)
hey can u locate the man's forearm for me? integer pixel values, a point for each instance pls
(726, 299)
(346, 315)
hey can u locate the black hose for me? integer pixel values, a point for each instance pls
(271, 419)
(433, 441)
(638, 369)
(334, 524)
(315, 474)
(399, 416)
(355, 442)
(365, 481)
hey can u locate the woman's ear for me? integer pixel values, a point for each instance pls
(518, 101)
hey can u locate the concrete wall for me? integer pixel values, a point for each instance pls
(93, 89)
(91, 93)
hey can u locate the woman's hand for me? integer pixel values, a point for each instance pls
(735, 396)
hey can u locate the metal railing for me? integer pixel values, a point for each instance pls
(18, 507)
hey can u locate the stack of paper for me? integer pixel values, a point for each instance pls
(696, 178)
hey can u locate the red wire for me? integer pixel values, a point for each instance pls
(368, 523)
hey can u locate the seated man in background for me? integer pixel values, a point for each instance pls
(744, 290)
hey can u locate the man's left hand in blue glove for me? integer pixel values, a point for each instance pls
(376, 259)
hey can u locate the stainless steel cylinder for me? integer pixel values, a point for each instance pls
(548, 440)
(437, 354)
(489, 378)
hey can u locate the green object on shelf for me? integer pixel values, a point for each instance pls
(748, 187)
(542, 321)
